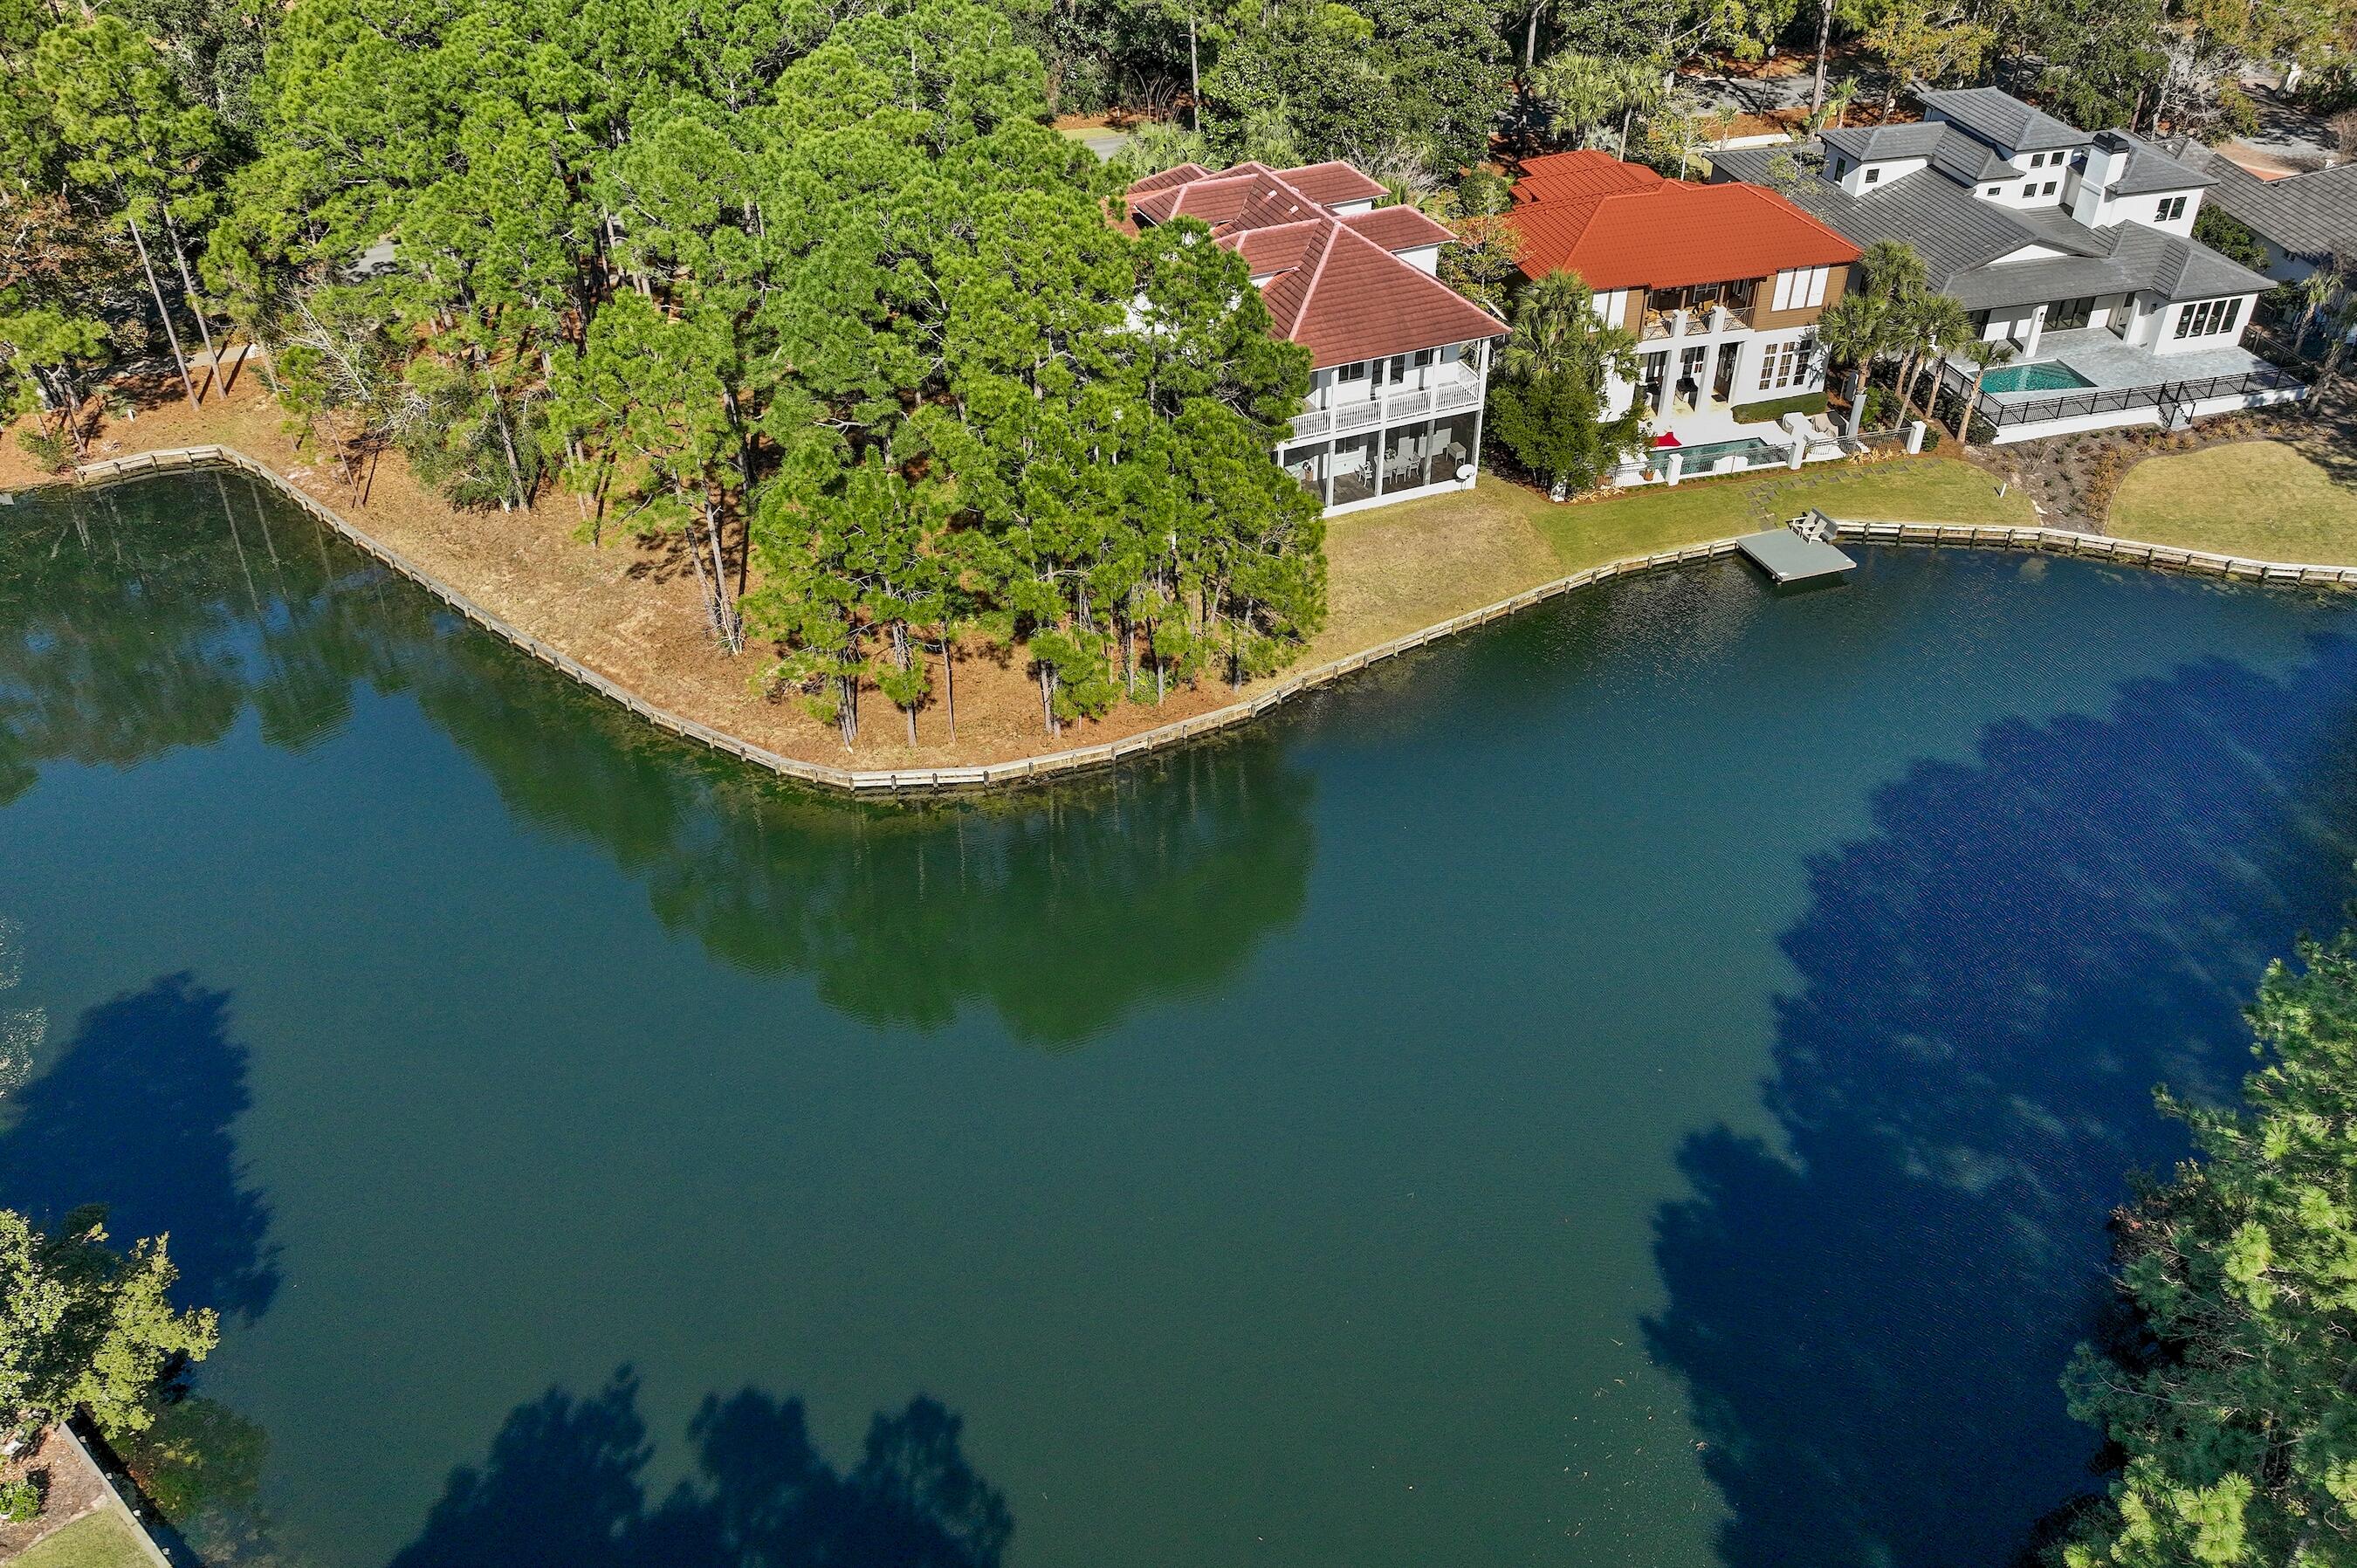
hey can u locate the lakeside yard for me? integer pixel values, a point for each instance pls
(1398, 568)
(627, 608)
(2260, 498)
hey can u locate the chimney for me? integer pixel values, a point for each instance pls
(2107, 159)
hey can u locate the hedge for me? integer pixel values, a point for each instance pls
(1777, 408)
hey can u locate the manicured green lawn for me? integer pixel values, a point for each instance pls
(2259, 499)
(1923, 489)
(1396, 569)
(102, 1539)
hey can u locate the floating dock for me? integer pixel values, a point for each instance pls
(1788, 556)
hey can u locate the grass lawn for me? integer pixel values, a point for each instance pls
(1397, 568)
(2259, 499)
(102, 1539)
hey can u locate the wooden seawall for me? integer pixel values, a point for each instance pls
(922, 781)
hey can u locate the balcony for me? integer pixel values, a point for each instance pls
(1700, 319)
(1453, 391)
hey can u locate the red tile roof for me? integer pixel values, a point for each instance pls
(1667, 233)
(1349, 299)
(1268, 251)
(1333, 283)
(1557, 175)
(1398, 228)
(1332, 184)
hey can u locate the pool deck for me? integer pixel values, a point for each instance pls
(2105, 363)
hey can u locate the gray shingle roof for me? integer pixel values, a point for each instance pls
(1948, 148)
(2151, 170)
(2310, 215)
(2004, 120)
(1952, 228)
(1959, 236)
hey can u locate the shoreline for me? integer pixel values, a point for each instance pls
(1065, 761)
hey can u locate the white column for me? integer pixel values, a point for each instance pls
(1675, 469)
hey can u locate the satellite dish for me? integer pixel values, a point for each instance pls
(1464, 470)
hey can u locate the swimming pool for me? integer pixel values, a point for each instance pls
(1703, 458)
(2050, 375)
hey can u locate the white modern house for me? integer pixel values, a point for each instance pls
(1400, 362)
(2074, 250)
(2302, 221)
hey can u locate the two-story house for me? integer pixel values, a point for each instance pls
(1721, 284)
(1400, 362)
(2075, 251)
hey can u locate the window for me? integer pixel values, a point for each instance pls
(1651, 371)
(2172, 207)
(1800, 288)
(1841, 167)
(1784, 364)
(2030, 189)
(1873, 174)
(2069, 314)
(2046, 189)
(2209, 318)
(1993, 190)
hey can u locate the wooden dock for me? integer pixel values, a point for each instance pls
(1788, 556)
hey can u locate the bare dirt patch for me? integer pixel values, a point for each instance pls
(71, 1489)
(627, 608)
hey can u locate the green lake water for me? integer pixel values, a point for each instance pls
(1639, 1085)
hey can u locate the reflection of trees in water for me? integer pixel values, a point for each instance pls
(1872, 1332)
(143, 618)
(1060, 911)
(564, 1487)
(151, 616)
(134, 1114)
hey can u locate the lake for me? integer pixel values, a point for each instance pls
(1641, 1084)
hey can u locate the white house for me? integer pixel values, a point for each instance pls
(1400, 362)
(2074, 250)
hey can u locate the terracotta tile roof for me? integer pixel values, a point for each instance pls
(1278, 248)
(1667, 233)
(1397, 227)
(1559, 176)
(1270, 201)
(1332, 283)
(1331, 184)
(1166, 179)
(1347, 299)
(1213, 197)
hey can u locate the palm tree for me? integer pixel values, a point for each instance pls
(1985, 355)
(1556, 328)
(1935, 323)
(2315, 291)
(2341, 326)
(1853, 331)
(1892, 269)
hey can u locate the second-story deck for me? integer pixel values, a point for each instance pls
(1453, 390)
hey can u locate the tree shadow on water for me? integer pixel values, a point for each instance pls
(135, 1114)
(1872, 1321)
(564, 1487)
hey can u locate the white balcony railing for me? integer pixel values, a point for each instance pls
(1450, 394)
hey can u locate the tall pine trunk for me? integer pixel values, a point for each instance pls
(188, 288)
(162, 314)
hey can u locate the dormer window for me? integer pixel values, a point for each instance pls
(2172, 207)
(1993, 190)
(1872, 175)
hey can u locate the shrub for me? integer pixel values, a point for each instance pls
(48, 450)
(19, 1501)
(1777, 408)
